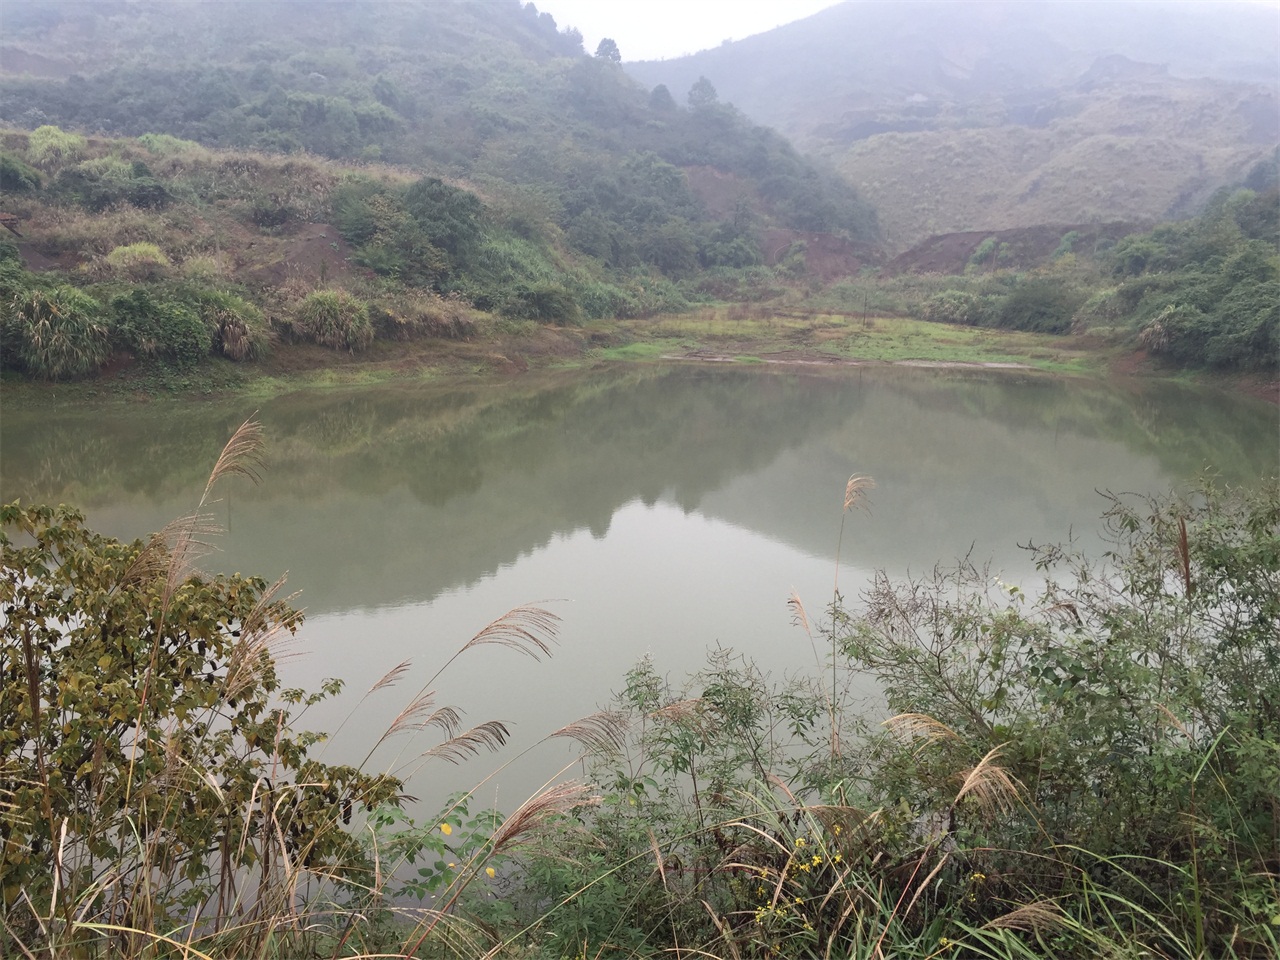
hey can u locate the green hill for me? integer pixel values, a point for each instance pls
(564, 148)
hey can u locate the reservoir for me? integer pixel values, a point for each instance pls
(666, 511)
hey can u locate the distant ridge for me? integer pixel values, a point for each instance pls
(952, 116)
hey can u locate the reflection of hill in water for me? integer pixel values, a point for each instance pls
(381, 496)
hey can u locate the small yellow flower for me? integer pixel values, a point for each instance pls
(446, 829)
(801, 841)
(837, 859)
(799, 901)
(491, 872)
(836, 829)
(817, 860)
(944, 943)
(452, 864)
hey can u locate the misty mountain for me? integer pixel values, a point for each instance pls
(987, 115)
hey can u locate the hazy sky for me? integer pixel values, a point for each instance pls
(652, 29)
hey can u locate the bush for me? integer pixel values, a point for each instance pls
(958, 306)
(239, 330)
(48, 144)
(544, 302)
(1041, 306)
(143, 727)
(166, 145)
(424, 315)
(55, 334)
(988, 252)
(333, 318)
(9, 252)
(163, 327)
(139, 261)
(16, 176)
(1130, 715)
(105, 181)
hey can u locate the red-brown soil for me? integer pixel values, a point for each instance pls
(311, 252)
(826, 256)
(949, 253)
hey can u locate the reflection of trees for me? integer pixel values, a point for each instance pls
(375, 496)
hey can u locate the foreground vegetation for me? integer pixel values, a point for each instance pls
(1089, 771)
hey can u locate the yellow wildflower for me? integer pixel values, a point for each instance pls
(491, 872)
(446, 829)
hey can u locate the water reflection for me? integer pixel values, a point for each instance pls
(392, 496)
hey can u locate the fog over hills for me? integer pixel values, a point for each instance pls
(968, 115)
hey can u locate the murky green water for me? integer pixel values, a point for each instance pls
(658, 510)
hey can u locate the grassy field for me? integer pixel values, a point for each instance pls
(757, 335)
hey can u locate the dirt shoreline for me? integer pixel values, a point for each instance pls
(824, 361)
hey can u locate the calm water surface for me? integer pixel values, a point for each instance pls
(659, 511)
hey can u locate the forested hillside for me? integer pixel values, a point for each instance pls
(992, 115)
(561, 146)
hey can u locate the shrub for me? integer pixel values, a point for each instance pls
(9, 252)
(165, 328)
(239, 330)
(1130, 714)
(145, 728)
(449, 217)
(105, 181)
(204, 268)
(957, 306)
(47, 144)
(56, 333)
(982, 254)
(16, 176)
(605, 300)
(545, 302)
(333, 318)
(1067, 244)
(166, 145)
(423, 315)
(1041, 306)
(139, 261)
